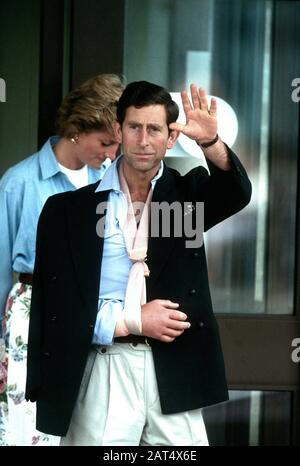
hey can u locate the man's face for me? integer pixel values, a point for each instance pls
(94, 147)
(145, 138)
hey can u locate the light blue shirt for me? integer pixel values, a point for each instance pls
(115, 265)
(24, 189)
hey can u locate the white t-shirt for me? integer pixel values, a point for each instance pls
(78, 178)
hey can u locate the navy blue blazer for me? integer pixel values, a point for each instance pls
(190, 371)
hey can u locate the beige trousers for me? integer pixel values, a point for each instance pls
(118, 404)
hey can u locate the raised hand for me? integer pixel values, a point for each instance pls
(201, 119)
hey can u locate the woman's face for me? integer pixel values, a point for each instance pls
(94, 147)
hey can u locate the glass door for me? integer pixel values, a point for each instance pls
(245, 53)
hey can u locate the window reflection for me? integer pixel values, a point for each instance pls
(229, 47)
(250, 418)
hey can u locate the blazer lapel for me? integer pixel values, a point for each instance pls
(159, 248)
(86, 244)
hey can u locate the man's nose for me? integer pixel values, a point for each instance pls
(144, 138)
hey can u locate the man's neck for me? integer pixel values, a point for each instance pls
(139, 183)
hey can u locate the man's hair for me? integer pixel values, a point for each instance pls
(142, 94)
(90, 107)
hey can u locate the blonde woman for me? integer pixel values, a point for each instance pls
(79, 155)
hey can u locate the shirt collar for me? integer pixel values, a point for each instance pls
(110, 180)
(47, 159)
(103, 168)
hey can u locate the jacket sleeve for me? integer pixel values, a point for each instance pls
(35, 337)
(224, 193)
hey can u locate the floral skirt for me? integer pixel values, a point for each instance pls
(17, 416)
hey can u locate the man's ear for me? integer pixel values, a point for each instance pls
(173, 136)
(117, 131)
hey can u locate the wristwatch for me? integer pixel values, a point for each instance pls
(210, 143)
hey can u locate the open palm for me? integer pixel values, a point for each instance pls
(201, 119)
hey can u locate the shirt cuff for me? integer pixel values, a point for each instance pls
(106, 320)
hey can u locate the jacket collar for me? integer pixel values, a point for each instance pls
(86, 245)
(159, 248)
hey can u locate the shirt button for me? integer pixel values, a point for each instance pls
(103, 350)
(196, 254)
(201, 324)
(46, 354)
(54, 277)
(53, 318)
(192, 292)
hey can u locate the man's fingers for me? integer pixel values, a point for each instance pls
(173, 333)
(178, 315)
(169, 304)
(166, 339)
(195, 97)
(177, 127)
(203, 99)
(178, 325)
(185, 102)
(213, 107)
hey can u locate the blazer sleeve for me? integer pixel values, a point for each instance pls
(224, 193)
(35, 337)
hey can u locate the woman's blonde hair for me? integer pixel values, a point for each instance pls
(90, 107)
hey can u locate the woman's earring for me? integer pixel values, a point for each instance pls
(74, 139)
